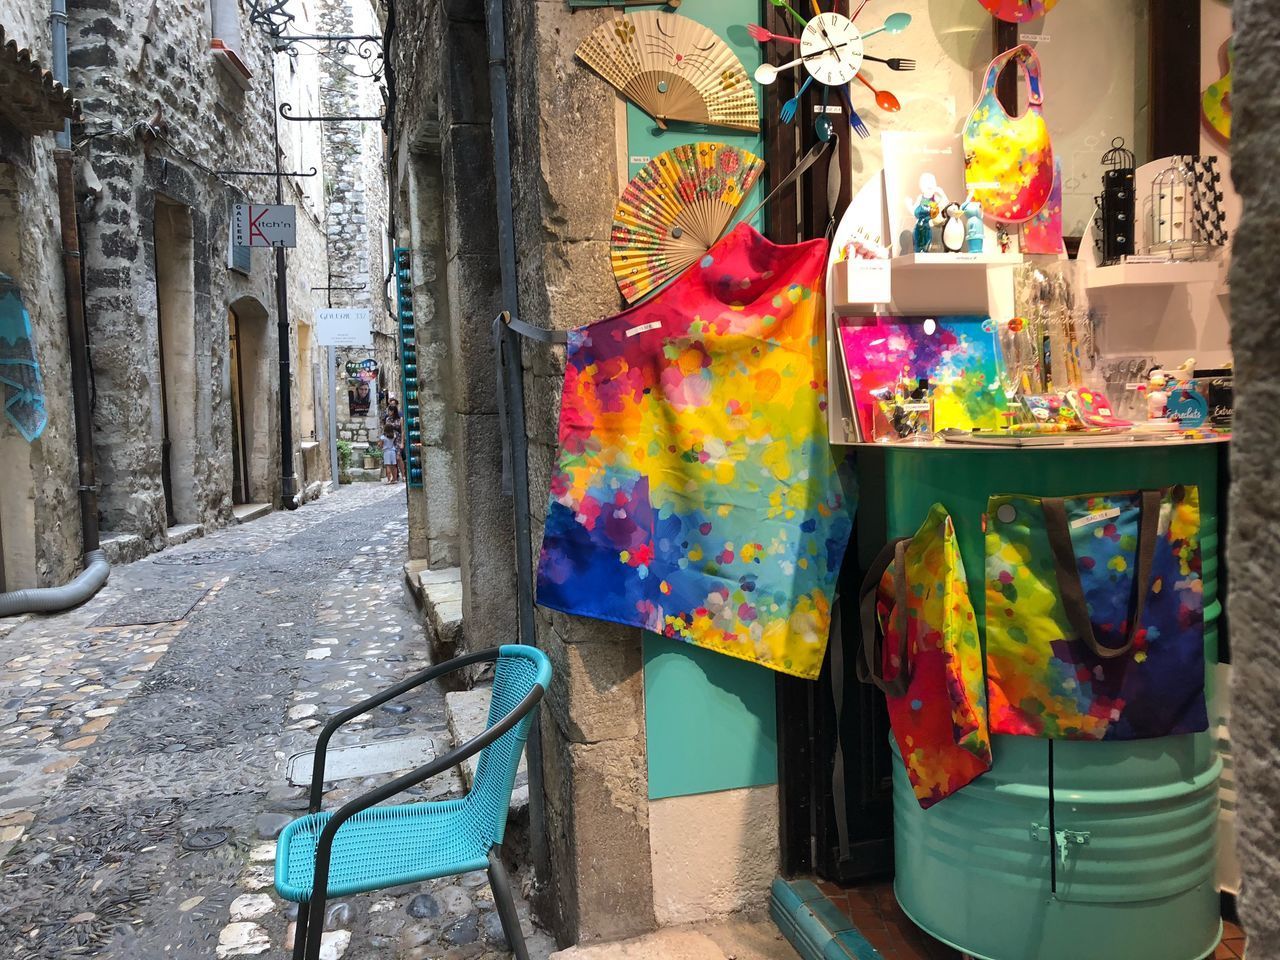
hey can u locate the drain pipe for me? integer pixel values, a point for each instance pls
(496, 24)
(96, 569)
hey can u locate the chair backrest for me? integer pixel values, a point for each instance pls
(519, 669)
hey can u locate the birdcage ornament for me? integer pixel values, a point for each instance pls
(1116, 204)
(1172, 225)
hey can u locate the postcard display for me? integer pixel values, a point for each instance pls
(1085, 524)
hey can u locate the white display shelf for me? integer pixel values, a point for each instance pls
(1166, 274)
(930, 262)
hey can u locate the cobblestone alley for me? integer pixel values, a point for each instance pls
(145, 740)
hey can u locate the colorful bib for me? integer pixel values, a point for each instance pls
(1009, 160)
(1019, 11)
(1095, 615)
(695, 493)
(930, 666)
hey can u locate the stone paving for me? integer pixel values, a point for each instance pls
(126, 749)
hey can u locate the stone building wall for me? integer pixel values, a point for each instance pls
(594, 753)
(1253, 545)
(200, 121)
(162, 117)
(445, 187)
(39, 512)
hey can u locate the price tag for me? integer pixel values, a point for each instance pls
(870, 281)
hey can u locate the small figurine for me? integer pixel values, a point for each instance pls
(1004, 240)
(952, 228)
(973, 227)
(927, 209)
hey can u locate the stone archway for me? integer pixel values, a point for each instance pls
(253, 426)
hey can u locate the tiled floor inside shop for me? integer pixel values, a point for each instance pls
(875, 911)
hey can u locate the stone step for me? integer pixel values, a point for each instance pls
(183, 533)
(731, 940)
(439, 594)
(244, 512)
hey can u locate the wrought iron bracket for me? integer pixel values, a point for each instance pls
(286, 111)
(265, 173)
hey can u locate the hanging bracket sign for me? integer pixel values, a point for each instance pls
(338, 327)
(264, 225)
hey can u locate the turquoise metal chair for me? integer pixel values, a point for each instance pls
(363, 847)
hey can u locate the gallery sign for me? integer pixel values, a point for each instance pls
(263, 225)
(343, 327)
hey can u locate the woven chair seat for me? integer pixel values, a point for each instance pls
(382, 847)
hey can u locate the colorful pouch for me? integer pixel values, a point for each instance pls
(1095, 620)
(1094, 409)
(1009, 160)
(1042, 234)
(920, 646)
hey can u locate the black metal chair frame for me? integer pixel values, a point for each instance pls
(310, 924)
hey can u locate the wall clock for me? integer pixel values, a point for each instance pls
(832, 50)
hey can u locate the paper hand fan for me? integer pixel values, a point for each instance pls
(673, 68)
(674, 210)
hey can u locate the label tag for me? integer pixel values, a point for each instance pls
(644, 328)
(1098, 517)
(1033, 38)
(640, 159)
(869, 281)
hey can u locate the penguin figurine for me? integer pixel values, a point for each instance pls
(952, 228)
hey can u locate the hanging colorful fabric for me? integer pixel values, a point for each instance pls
(916, 598)
(1043, 232)
(1095, 620)
(695, 493)
(20, 381)
(1009, 160)
(1019, 11)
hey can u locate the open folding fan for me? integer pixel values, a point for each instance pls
(674, 210)
(673, 68)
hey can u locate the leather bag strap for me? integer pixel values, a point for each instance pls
(871, 661)
(1072, 591)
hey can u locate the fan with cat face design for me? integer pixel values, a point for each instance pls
(673, 68)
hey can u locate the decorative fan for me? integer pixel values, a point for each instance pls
(673, 68)
(674, 210)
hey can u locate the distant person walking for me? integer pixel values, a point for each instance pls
(390, 454)
(393, 427)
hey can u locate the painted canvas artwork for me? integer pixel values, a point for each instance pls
(957, 355)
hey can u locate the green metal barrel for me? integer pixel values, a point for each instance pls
(1136, 821)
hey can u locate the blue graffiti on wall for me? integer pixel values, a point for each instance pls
(23, 392)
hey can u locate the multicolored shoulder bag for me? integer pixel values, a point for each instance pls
(1095, 615)
(920, 646)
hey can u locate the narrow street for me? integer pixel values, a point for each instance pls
(146, 738)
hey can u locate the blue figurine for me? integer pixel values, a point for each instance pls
(926, 211)
(973, 228)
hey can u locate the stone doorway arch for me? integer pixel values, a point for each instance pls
(253, 427)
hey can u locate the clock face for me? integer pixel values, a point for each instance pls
(832, 49)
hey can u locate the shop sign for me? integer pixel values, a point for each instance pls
(264, 225)
(338, 327)
(365, 370)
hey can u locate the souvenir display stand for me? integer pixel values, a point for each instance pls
(1060, 842)
(1136, 821)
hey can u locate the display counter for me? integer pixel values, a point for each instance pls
(1135, 821)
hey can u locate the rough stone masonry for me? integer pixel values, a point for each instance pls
(1253, 549)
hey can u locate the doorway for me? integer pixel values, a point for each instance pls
(17, 479)
(175, 329)
(250, 402)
